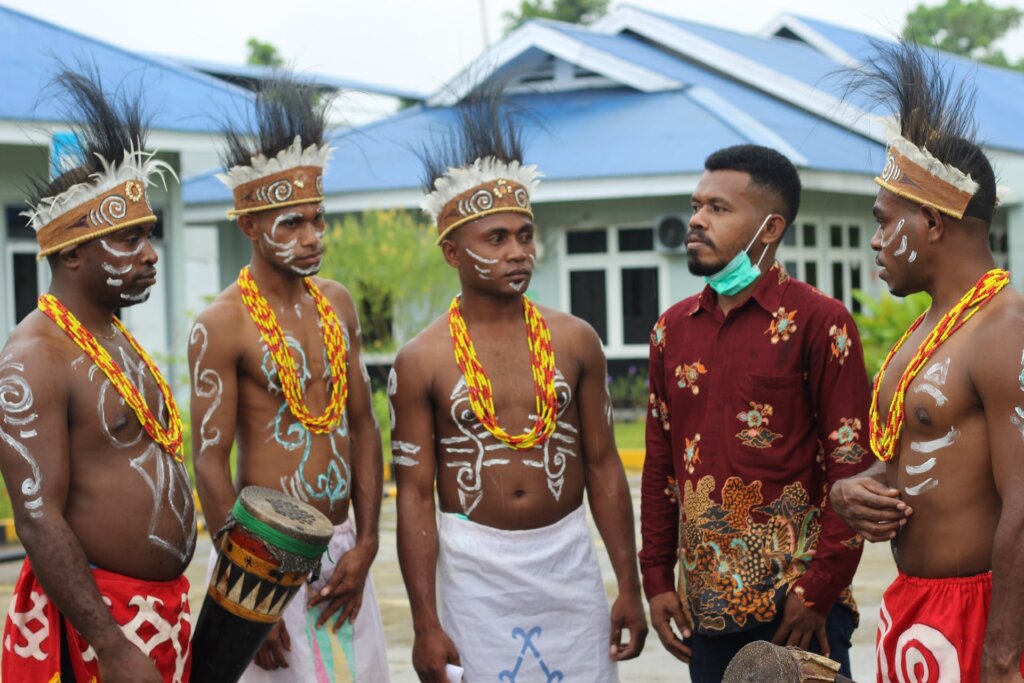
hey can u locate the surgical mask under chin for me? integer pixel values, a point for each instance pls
(739, 273)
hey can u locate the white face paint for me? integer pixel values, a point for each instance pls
(903, 247)
(485, 273)
(936, 444)
(895, 234)
(481, 259)
(117, 253)
(206, 385)
(113, 282)
(118, 282)
(282, 250)
(912, 257)
(114, 270)
(306, 272)
(136, 298)
(16, 401)
(518, 286)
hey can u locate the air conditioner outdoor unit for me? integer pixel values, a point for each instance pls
(670, 234)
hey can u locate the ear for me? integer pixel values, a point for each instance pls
(451, 253)
(71, 257)
(774, 229)
(933, 221)
(249, 225)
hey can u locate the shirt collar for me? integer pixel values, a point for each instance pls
(767, 292)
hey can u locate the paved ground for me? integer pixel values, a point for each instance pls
(655, 665)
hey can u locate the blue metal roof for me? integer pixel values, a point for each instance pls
(175, 97)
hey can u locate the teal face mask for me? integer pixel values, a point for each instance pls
(739, 272)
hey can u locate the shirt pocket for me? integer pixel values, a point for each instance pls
(771, 416)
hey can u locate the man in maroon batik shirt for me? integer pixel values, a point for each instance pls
(759, 401)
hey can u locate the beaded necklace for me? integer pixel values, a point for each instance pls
(481, 394)
(170, 438)
(288, 375)
(885, 439)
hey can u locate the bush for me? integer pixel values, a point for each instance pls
(629, 391)
(884, 321)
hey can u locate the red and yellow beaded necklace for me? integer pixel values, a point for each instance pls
(885, 439)
(481, 394)
(288, 375)
(170, 438)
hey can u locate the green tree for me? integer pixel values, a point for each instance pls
(884, 322)
(970, 28)
(389, 261)
(572, 11)
(263, 54)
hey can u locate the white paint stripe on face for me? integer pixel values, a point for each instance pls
(933, 391)
(918, 489)
(518, 286)
(903, 247)
(923, 467)
(912, 257)
(485, 273)
(122, 254)
(481, 259)
(895, 234)
(294, 215)
(114, 282)
(306, 272)
(283, 250)
(936, 444)
(114, 270)
(136, 298)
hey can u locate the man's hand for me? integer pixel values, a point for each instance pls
(871, 508)
(271, 655)
(431, 651)
(125, 663)
(665, 609)
(344, 590)
(628, 614)
(799, 624)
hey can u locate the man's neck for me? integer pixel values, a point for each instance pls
(276, 284)
(729, 302)
(96, 317)
(487, 308)
(951, 283)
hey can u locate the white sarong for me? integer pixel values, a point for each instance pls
(355, 654)
(525, 606)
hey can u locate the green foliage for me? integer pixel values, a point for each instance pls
(571, 11)
(630, 390)
(389, 261)
(969, 28)
(382, 411)
(263, 54)
(884, 322)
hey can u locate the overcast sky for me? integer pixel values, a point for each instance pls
(414, 44)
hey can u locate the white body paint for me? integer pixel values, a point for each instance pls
(936, 444)
(282, 250)
(392, 390)
(518, 286)
(114, 270)
(926, 485)
(903, 247)
(933, 391)
(926, 466)
(117, 253)
(404, 447)
(114, 282)
(912, 257)
(938, 373)
(404, 461)
(481, 259)
(895, 234)
(306, 272)
(16, 400)
(485, 273)
(207, 384)
(136, 298)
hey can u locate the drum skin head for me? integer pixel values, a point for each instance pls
(760, 662)
(288, 515)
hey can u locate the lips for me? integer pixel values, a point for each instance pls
(147, 279)
(311, 259)
(517, 274)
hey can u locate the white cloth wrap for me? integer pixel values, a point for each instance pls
(315, 662)
(525, 606)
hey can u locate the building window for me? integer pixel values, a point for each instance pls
(640, 307)
(25, 275)
(588, 299)
(587, 242)
(830, 254)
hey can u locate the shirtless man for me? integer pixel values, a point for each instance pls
(296, 433)
(77, 450)
(520, 587)
(947, 420)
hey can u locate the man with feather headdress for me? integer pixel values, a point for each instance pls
(276, 362)
(504, 405)
(90, 433)
(946, 414)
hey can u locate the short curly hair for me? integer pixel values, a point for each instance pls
(767, 169)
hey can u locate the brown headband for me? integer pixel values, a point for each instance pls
(299, 185)
(907, 179)
(495, 196)
(122, 207)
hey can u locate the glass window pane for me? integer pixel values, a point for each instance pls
(639, 304)
(636, 239)
(791, 268)
(854, 236)
(810, 234)
(158, 227)
(837, 281)
(588, 299)
(811, 273)
(789, 239)
(26, 285)
(854, 285)
(587, 242)
(17, 225)
(835, 236)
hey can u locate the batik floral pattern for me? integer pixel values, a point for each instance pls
(740, 557)
(840, 343)
(783, 325)
(688, 375)
(658, 334)
(756, 434)
(691, 453)
(848, 450)
(659, 411)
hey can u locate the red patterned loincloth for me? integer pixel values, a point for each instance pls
(154, 616)
(932, 630)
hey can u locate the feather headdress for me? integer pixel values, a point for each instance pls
(107, 191)
(281, 162)
(477, 170)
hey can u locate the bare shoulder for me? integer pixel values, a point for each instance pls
(426, 350)
(336, 293)
(999, 332)
(39, 349)
(575, 332)
(1003, 315)
(224, 314)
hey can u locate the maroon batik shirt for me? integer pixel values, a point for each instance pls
(753, 416)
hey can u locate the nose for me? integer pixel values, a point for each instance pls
(518, 251)
(310, 236)
(876, 239)
(149, 255)
(696, 220)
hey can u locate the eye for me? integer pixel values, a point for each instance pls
(719, 209)
(526, 238)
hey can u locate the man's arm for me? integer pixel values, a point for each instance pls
(34, 459)
(213, 365)
(344, 589)
(998, 376)
(839, 393)
(415, 464)
(608, 494)
(659, 513)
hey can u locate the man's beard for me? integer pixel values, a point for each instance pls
(702, 269)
